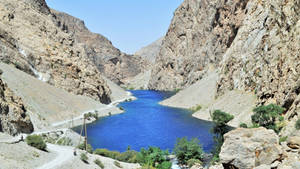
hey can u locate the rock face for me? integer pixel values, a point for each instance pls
(264, 56)
(151, 51)
(110, 61)
(199, 35)
(248, 148)
(13, 117)
(33, 41)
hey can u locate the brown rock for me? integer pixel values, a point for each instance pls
(200, 33)
(13, 116)
(34, 43)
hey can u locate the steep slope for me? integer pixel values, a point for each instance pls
(151, 51)
(200, 33)
(264, 57)
(34, 42)
(110, 61)
(47, 104)
(13, 116)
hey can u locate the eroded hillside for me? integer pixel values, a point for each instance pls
(32, 40)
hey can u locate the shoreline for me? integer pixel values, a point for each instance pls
(110, 109)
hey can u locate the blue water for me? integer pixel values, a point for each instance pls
(146, 123)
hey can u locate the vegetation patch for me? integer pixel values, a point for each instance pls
(186, 150)
(220, 120)
(66, 141)
(84, 158)
(36, 141)
(269, 116)
(196, 108)
(297, 125)
(89, 148)
(99, 163)
(116, 163)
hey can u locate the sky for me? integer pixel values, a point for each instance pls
(129, 24)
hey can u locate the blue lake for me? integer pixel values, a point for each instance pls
(146, 123)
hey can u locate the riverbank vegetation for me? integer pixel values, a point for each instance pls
(220, 120)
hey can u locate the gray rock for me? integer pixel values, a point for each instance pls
(249, 148)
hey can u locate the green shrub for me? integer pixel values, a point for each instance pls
(188, 149)
(268, 116)
(243, 125)
(65, 141)
(107, 153)
(36, 141)
(127, 156)
(99, 163)
(164, 165)
(84, 158)
(283, 139)
(196, 108)
(147, 166)
(121, 108)
(116, 163)
(221, 118)
(192, 162)
(297, 125)
(89, 147)
(152, 156)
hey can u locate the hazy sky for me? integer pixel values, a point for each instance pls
(129, 24)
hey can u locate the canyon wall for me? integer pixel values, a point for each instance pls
(110, 61)
(200, 33)
(32, 40)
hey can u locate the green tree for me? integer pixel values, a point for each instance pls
(268, 116)
(188, 149)
(153, 156)
(220, 120)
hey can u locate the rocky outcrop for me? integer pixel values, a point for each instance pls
(249, 148)
(110, 61)
(199, 35)
(13, 116)
(34, 42)
(264, 57)
(151, 51)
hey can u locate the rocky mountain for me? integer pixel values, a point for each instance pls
(110, 61)
(200, 33)
(264, 57)
(33, 40)
(150, 52)
(13, 116)
(253, 46)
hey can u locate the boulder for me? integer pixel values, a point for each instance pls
(294, 142)
(249, 148)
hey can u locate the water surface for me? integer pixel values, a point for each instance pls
(146, 123)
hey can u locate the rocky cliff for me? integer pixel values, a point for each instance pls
(33, 40)
(13, 116)
(150, 52)
(110, 61)
(200, 33)
(264, 57)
